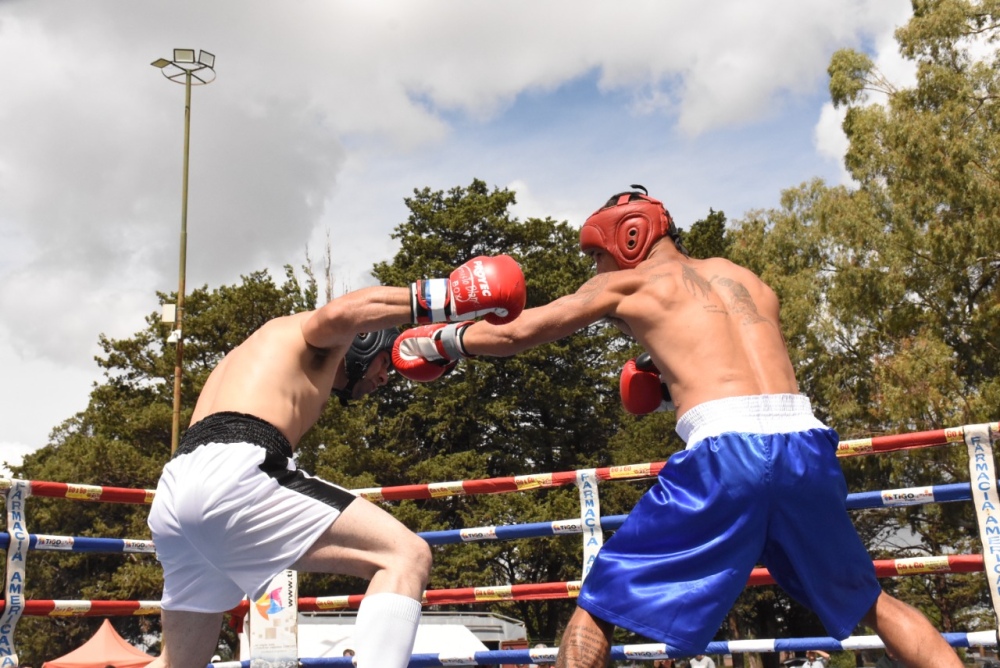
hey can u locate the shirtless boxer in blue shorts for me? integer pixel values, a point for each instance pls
(232, 510)
(758, 479)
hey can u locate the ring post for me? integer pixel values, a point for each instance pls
(17, 552)
(590, 517)
(982, 474)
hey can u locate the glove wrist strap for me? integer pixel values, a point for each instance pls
(451, 340)
(430, 300)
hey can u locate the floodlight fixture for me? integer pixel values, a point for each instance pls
(185, 69)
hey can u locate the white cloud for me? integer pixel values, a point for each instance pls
(12, 454)
(37, 394)
(325, 115)
(831, 141)
(534, 205)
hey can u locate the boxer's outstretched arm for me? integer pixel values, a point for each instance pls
(596, 299)
(365, 310)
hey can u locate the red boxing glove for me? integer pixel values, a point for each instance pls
(426, 353)
(641, 389)
(483, 286)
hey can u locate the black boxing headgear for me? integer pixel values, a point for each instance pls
(360, 356)
(627, 226)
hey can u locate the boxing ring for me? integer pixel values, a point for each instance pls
(981, 490)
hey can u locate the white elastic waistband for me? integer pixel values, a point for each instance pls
(754, 414)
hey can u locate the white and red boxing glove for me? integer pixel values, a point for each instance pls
(641, 388)
(483, 286)
(426, 353)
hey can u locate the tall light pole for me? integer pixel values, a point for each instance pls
(184, 69)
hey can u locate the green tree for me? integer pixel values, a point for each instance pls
(890, 288)
(924, 219)
(708, 237)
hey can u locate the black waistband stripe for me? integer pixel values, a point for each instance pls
(230, 427)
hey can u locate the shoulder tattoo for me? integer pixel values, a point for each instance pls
(695, 283)
(701, 289)
(740, 301)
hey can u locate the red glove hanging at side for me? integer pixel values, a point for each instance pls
(641, 388)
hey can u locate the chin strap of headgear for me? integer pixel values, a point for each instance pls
(360, 356)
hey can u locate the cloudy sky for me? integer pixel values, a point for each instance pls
(325, 114)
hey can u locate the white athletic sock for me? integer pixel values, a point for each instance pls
(384, 630)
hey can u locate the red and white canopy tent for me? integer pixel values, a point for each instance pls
(105, 648)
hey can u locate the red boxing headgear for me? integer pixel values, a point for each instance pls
(627, 226)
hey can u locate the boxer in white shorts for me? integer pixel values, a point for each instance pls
(231, 509)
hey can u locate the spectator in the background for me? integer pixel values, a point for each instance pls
(816, 659)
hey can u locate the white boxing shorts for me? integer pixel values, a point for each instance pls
(231, 511)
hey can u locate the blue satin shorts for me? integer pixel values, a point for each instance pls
(730, 501)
